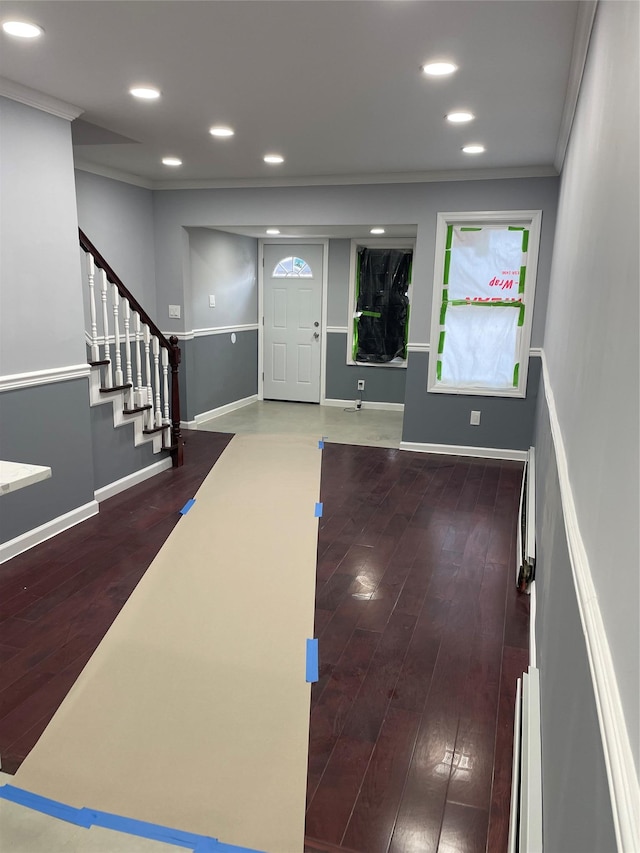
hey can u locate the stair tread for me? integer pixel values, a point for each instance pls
(99, 363)
(116, 388)
(151, 430)
(136, 409)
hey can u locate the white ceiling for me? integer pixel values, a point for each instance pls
(333, 85)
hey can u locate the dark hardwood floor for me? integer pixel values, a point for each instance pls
(422, 636)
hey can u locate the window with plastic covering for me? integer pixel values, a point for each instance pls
(380, 298)
(484, 285)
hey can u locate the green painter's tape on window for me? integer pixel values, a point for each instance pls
(516, 374)
(516, 228)
(449, 237)
(471, 229)
(443, 311)
(355, 339)
(371, 314)
(406, 333)
(521, 317)
(439, 369)
(493, 304)
(525, 240)
(441, 342)
(447, 264)
(523, 273)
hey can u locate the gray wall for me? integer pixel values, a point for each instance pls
(41, 318)
(114, 453)
(226, 266)
(577, 808)
(338, 313)
(118, 219)
(46, 425)
(382, 384)
(217, 372)
(352, 205)
(444, 418)
(591, 340)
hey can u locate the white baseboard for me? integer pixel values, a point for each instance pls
(462, 450)
(27, 540)
(366, 404)
(217, 413)
(118, 486)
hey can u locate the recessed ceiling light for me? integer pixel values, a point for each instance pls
(439, 69)
(273, 158)
(473, 149)
(273, 231)
(460, 117)
(221, 131)
(145, 93)
(172, 161)
(22, 29)
(377, 231)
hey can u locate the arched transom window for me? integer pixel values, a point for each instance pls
(292, 267)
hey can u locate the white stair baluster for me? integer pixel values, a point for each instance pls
(127, 343)
(138, 396)
(147, 367)
(165, 384)
(105, 328)
(119, 378)
(156, 380)
(91, 272)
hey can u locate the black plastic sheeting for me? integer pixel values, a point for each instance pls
(384, 276)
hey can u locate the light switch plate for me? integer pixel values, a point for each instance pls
(212, 301)
(174, 312)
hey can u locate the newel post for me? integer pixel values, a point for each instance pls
(176, 436)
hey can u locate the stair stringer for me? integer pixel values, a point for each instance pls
(118, 399)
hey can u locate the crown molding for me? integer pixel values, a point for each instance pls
(114, 174)
(581, 39)
(33, 98)
(322, 180)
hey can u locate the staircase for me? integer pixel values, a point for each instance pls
(133, 365)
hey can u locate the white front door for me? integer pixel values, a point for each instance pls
(292, 316)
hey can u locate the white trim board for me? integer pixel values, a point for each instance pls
(16, 381)
(213, 330)
(462, 450)
(45, 531)
(217, 413)
(366, 404)
(106, 492)
(624, 787)
(33, 98)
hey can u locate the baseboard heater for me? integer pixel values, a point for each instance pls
(525, 821)
(526, 546)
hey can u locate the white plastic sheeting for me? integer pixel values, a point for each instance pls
(485, 263)
(480, 345)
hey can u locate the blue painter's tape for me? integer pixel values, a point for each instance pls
(45, 805)
(318, 510)
(312, 661)
(321, 444)
(88, 817)
(185, 509)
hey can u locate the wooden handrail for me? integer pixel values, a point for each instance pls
(170, 345)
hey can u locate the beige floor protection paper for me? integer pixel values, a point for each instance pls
(193, 712)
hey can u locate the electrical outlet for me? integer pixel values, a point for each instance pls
(174, 312)
(360, 384)
(475, 418)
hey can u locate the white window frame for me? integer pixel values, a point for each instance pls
(530, 219)
(390, 243)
